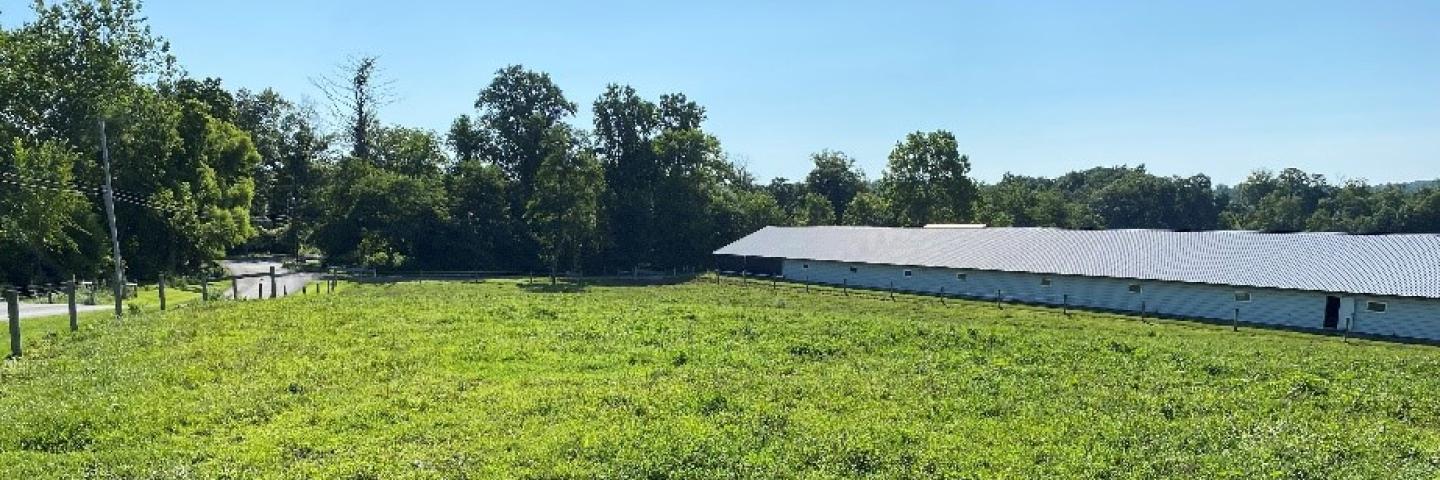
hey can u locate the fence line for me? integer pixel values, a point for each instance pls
(71, 293)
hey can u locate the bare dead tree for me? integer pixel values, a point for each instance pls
(356, 91)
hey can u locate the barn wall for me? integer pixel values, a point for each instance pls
(1403, 317)
(1407, 318)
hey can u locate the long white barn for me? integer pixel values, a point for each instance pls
(1381, 285)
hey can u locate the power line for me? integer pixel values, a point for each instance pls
(126, 197)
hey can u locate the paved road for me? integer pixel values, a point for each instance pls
(250, 287)
(32, 310)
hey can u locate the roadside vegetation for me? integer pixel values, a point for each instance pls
(698, 380)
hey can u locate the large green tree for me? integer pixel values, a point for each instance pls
(836, 178)
(564, 212)
(181, 166)
(625, 124)
(927, 180)
(519, 109)
(691, 170)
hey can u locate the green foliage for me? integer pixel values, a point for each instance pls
(691, 170)
(519, 108)
(484, 237)
(868, 209)
(836, 178)
(45, 231)
(385, 219)
(564, 211)
(625, 126)
(927, 180)
(814, 210)
(701, 381)
(173, 145)
(409, 151)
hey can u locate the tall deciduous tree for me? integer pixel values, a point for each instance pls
(520, 108)
(691, 169)
(564, 212)
(625, 124)
(836, 178)
(927, 180)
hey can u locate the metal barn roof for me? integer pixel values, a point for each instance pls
(1395, 265)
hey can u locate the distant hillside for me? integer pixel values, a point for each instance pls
(1418, 184)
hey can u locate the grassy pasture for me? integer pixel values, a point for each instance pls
(499, 379)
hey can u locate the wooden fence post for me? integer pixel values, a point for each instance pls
(1346, 336)
(1235, 322)
(235, 288)
(845, 286)
(261, 287)
(204, 288)
(93, 285)
(999, 297)
(1065, 304)
(70, 293)
(161, 287)
(892, 290)
(49, 293)
(12, 305)
(942, 295)
(272, 283)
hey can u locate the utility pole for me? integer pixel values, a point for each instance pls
(114, 234)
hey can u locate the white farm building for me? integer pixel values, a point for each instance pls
(1378, 285)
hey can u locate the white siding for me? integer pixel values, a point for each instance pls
(1413, 318)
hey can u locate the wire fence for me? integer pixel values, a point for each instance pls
(45, 300)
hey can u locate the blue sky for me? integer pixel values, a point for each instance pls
(1347, 89)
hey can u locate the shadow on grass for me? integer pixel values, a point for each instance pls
(562, 287)
(580, 284)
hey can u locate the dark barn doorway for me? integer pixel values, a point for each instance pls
(767, 266)
(1332, 312)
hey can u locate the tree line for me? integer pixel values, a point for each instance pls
(202, 171)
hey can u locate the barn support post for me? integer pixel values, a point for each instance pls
(12, 306)
(70, 296)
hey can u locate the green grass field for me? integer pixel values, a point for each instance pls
(701, 380)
